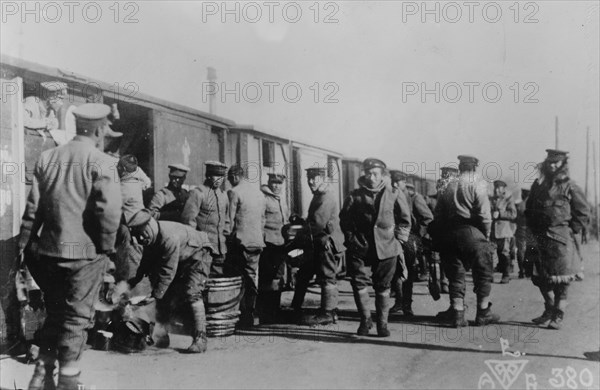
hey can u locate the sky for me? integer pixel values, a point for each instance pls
(413, 83)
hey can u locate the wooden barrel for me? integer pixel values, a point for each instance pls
(222, 304)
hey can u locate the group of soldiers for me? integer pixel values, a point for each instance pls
(78, 218)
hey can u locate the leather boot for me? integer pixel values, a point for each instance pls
(68, 382)
(485, 316)
(407, 294)
(247, 310)
(199, 340)
(557, 318)
(329, 300)
(43, 377)
(397, 287)
(546, 315)
(382, 308)
(268, 305)
(458, 318)
(361, 297)
(161, 335)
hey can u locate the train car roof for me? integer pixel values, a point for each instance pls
(139, 98)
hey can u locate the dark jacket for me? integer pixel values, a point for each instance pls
(167, 204)
(421, 215)
(323, 220)
(174, 243)
(76, 199)
(556, 207)
(276, 215)
(375, 221)
(207, 209)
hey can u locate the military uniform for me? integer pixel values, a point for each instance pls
(524, 239)
(247, 216)
(556, 210)
(272, 260)
(323, 257)
(502, 229)
(178, 264)
(462, 229)
(421, 217)
(76, 202)
(168, 203)
(375, 222)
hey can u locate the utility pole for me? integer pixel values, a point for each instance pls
(587, 160)
(556, 132)
(595, 208)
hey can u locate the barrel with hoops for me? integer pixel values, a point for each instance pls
(222, 302)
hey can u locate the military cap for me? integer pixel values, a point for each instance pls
(556, 155)
(89, 116)
(316, 171)
(276, 177)
(449, 169)
(56, 88)
(410, 185)
(499, 183)
(371, 163)
(236, 170)
(215, 168)
(397, 175)
(178, 170)
(468, 159)
(140, 219)
(128, 162)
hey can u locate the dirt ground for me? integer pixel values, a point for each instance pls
(420, 354)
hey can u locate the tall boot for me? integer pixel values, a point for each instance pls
(298, 299)
(485, 316)
(247, 310)
(329, 300)
(361, 297)
(382, 307)
(397, 287)
(407, 294)
(268, 306)
(557, 319)
(43, 376)
(199, 341)
(68, 382)
(546, 315)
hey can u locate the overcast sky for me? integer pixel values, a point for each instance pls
(361, 76)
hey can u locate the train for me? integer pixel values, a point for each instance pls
(158, 133)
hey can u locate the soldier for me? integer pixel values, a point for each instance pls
(39, 120)
(272, 260)
(375, 220)
(207, 209)
(446, 175)
(176, 258)
(421, 217)
(462, 230)
(167, 204)
(78, 211)
(247, 218)
(523, 236)
(556, 210)
(504, 213)
(323, 257)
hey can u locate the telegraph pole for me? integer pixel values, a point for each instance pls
(587, 160)
(595, 208)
